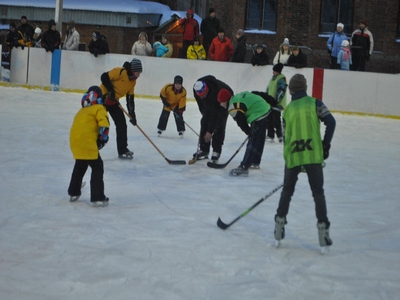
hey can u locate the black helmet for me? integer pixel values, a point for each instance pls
(178, 79)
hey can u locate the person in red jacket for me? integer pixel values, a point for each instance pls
(221, 48)
(191, 29)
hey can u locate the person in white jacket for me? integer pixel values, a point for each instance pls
(283, 53)
(72, 37)
(142, 46)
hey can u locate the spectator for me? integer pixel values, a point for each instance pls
(37, 38)
(277, 90)
(173, 97)
(14, 37)
(98, 44)
(362, 44)
(26, 29)
(142, 47)
(213, 116)
(239, 54)
(166, 43)
(190, 30)
(89, 134)
(248, 109)
(51, 39)
(344, 56)
(115, 84)
(305, 148)
(283, 53)
(196, 51)
(209, 28)
(72, 37)
(260, 57)
(159, 49)
(221, 48)
(334, 44)
(297, 59)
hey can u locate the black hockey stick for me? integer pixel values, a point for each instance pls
(224, 226)
(171, 162)
(221, 166)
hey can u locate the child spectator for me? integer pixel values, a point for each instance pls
(89, 133)
(196, 51)
(159, 49)
(297, 59)
(283, 53)
(98, 44)
(51, 39)
(344, 56)
(260, 57)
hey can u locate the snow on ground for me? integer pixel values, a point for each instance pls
(158, 238)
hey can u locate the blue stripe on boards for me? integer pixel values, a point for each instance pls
(55, 70)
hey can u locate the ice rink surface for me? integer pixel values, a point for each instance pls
(158, 238)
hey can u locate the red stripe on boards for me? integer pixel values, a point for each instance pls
(318, 83)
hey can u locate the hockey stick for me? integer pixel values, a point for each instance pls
(224, 226)
(194, 159)
(178, 116)
(221, 166)
(171, 162)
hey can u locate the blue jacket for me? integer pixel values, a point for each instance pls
(334, 42)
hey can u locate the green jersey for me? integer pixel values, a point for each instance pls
(251, 105)
(303, 143)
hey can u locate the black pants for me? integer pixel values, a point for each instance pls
(255, 145)
(358, 63)
(218, 136)
(316, 181)
(121, 129)
(163, 121)
(333, 63)
(96, 179)
(274, 124)
(185, 46)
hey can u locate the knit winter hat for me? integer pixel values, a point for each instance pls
(221, 30)
(96, 34)
(51, 23)
(189, 12)
(38, 30)
(345, 43)
(278, 67)
(136, 65)
(178, 79)
(224, 96)
(340, 25)
(285, 42)
(297, 83)
(200, 88)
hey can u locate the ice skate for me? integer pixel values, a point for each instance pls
(269, 140)
(159, 132)
(255, 166)
(324, 240)
(74, 198)
(215, 157)
(100, 203)
(201, 155)
(127, 155)
(180, 134)
(279, 229)
(239, 171)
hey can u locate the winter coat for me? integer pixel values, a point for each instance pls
(170, 50)
(239, 54)
(139, 48)
(196, 52)
(299, 61)
(281, 56)
(344, 64)
(27, 29)
(51, 40)
(14, 39)
(260, 59)
(334, 42)
(362, 43)
(121, 83)
(191, 28)
(85, 131)
(209, 105)
(71, 41)
(160, 49)
(209, 30)
(221, 50)
(175, 99)
(100, 46)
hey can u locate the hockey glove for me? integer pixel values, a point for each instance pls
(326, 150)
(130, 104)
(102, 139)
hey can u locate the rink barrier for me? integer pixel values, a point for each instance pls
(359, 93)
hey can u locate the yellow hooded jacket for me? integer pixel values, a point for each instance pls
(85, 131)
(174, 99)
(121, 83)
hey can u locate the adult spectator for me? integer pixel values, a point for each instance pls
(334, 44)
(26, 29)
(196, 51)
(142, 47)
(362, 44)
(190, 30)
(260, 56)
(221, 48)
(166, 43)
(209, 28)
(282, 55)
(297, 59)
(14, 37)
(98, 44)
(51, 39)
(72, 37)
(239, 54)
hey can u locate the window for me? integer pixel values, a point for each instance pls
(398, 25)
(336, 11)
(261, 14)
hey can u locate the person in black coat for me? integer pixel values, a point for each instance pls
(98, 44)
(209, 28)
(214, 117)
(260, 57)
(239, 54)
(14, 37)
(26, 29)
(297, 59)
(51, 39)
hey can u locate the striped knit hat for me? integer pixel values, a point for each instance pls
(136, 65)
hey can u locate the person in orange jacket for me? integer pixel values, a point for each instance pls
(221, 48)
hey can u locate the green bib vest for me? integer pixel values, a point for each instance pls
(256, 105)
(303, 143)
(273, 87)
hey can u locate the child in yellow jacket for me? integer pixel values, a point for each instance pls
(89, 133)
(196, 51)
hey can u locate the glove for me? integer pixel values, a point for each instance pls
(130, 104)
(164, 101)
(100, 143)
(133, 120)
(102, 138)
(326, 148)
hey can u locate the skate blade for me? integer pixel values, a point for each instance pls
(125, 157)
(325, 249)
(73, 198)
(99, 203)
(239, 175)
